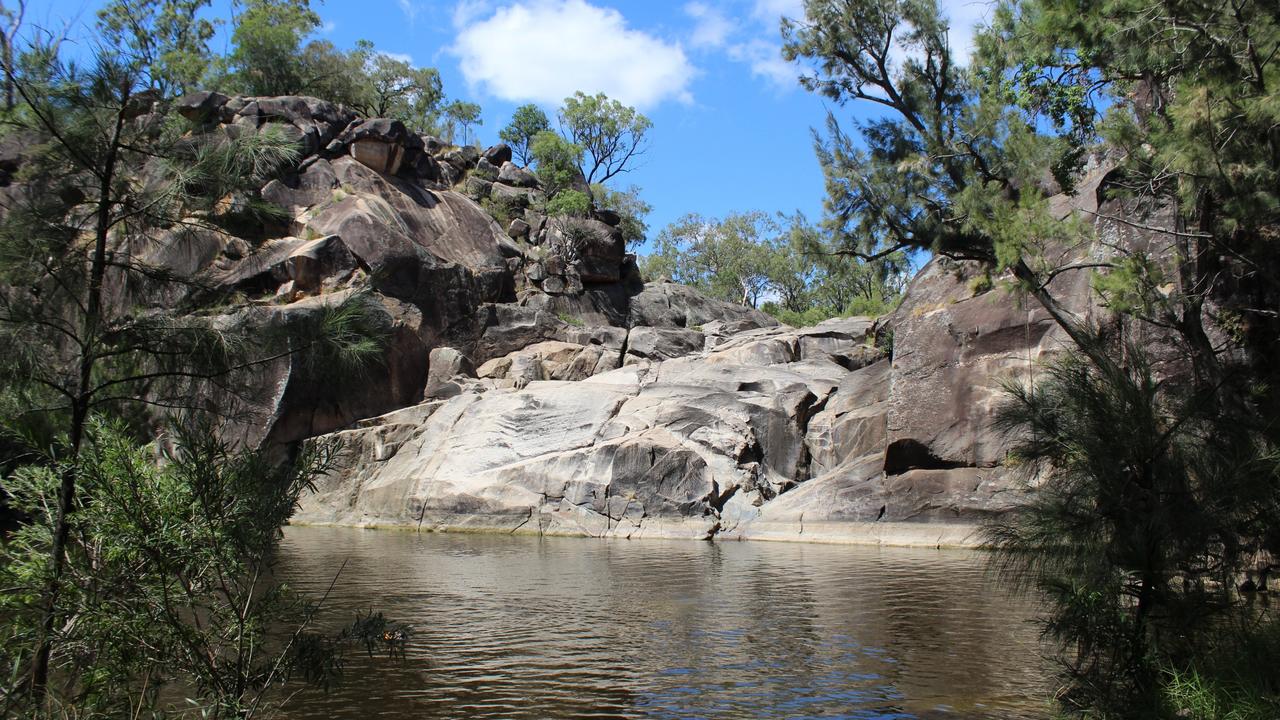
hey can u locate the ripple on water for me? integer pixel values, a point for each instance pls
(519, 627)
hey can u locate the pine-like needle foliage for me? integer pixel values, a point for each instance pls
(1151, 503)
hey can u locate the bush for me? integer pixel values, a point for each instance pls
(1236, 680)
(569, 202)
(570, 319)
(556, 162)
(981, 284)
(503, 209)
(167, 593)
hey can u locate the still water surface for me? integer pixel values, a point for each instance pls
(526, 627)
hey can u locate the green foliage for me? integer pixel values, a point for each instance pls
(267, 55)
(459, 116)
(749, 258)
(556, 162)
(570, 319)
(1232, 679)
(1153, 490)
(981, 284)
(91, 330)
(503, 209)
(1152, 503)
(569, 202)
(391, 88)
(1190, 694)
(947, 166)
(164, 39)
(611, 135)
(526, 122)
(630, 208)
(170, 547)
(728, 259)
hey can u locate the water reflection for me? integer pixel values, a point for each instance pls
(574, 628)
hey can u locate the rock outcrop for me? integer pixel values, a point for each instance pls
(532, 382)
(700, 422)
(695, 445)
(411, 223)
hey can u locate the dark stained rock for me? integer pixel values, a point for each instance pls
(202, 106)
(593, 248)
(378, 143)
(648, 343)
(476, 188)
(607, 216)
(318, 261)
(498, 154)
(512, 174)
(516, 197)
(380, 129)
(462, 158)
(667, 304)
(485, 170)
(951, 351)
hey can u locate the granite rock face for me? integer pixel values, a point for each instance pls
(767, 433)
(690, 446)
(532, 382)
(372, 209)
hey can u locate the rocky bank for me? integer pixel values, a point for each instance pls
(533, 383)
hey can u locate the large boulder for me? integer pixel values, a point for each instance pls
(389, 210)
(201, 107)
(666, 304)
(512, 174)
(498, 155)
(378, 144)
(953, 345)
(646, 343)
(590, 247)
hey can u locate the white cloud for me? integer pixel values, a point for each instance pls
(966, 16)
(328, 27)
(400, 57)
(711, 28)
(769, 11)
(410, 10)
(467, 11)
(765, 60)
(544, 50)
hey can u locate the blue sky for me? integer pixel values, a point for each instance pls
(731, 124)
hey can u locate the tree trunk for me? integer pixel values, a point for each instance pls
(80, 407)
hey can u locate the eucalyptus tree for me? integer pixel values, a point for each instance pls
(612, 135)
(728, 258)
(526, 122)
(167, 40)
(393, 88)
(460, 115)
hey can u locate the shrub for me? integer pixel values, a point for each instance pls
(569, 202)
(556, 161)
(503, 209)
(981, 284)
(570, 319)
